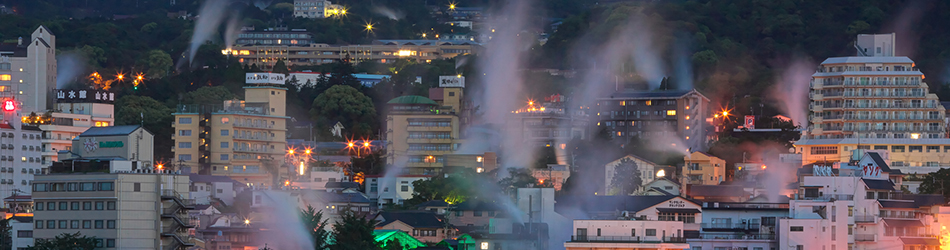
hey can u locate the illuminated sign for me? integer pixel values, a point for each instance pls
(84, 96)
(871, 170)
(9, 105)
(266, 78)
(457, 81)
(110, 144)
(750, 122)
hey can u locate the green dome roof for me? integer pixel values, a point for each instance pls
(412, 99)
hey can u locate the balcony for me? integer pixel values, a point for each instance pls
(253, 125)
(865, 219)
(720, 236)
(627, 239)
(729, 226)
(864, 237)
(828, 197)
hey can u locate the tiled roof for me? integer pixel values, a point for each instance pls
(415, 219)
(878, 184)
(897, 204)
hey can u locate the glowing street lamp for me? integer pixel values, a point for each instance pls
(307, 151)
(369, 28)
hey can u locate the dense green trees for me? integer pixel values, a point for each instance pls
(347, 105)
(354, 232)
(626, 179)
(936, 183)
(66, 241)
(153, 115)
(315, 224)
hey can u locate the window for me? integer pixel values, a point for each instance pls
(39, 224)
(87, 186)
(633, 232)
(72, 186)
(491, 213)
(51, 224)
(477, 213)
(100, 205)
(5, 77)
(880, 147)
(916, 148)
(39, 206)
(225, 132)
(799, 247)
(598, 232)
(87, 205)
(651, 232)
(110, 242)
(39, 187)
(63, 224)
(24, 233)
(136, 187)
(404, 188)
(51, 206)
(796, 229)
(74, 205)
(224, 157)
(110, 205)
(826, 150)
(224, 144)
(63, 205)
(666, 216)
(74, 224)
(110, 224)
(897, 149)
(99, 224)
(106, 186)
(184, 132)
(850, 211)
(184, 145)
(850, 229)
(184, 120)
(184, 157)
(671, 112)
(86, 224)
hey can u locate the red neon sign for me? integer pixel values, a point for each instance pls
(9, 105)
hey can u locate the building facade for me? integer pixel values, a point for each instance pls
(273, 37)
(704, 169)
(382, 51)
(28, 71)
(873, 95)
(112, 208)
(420, 131)
(239, 139)
(20, 160)
(75, 111)
(657, 116)
(317, 9)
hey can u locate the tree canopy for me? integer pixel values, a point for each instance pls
(66, 241)
(626, 179)
(936, 183)
(354, 232)
(315, 224)
(347, 105)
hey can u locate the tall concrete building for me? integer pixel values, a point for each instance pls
(106, 189)
(241, 139)
(20, 150)
(875, 100)
(656, 115)
(28, 70)
(258, 51)
(420, 131)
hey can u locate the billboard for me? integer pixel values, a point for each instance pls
(264, 78)
(457, 81)
(84, 96)
(750, 122)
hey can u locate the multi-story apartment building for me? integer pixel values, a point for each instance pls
(75, 111)
(240, 138)
(626, 234)
(99, 192)
(745, 225)
(273, 37)
(656, 115)
(109, 206)
(382, 51)
(420, 131)
(873, 95)
(858, 205)
(875, 100)
(28, 71)
(20, 150)
(703, 169)
(317, 9)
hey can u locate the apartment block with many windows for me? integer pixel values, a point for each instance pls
(655, 115)
(239, 139)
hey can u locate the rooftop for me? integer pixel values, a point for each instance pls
(412, 99)
(660, 94)
(113, 130)
(415, 219)
(868, 59)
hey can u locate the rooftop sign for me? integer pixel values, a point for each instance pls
(265, 78)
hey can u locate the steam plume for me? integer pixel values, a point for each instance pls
(70, 65)
(389, 13)
(233, 30)
(791, 90)
(209, 18)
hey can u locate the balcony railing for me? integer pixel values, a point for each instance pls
(731, 226)
(865, 219)
(864, 237)
(712, 236)
(625, 239)
(844, 197)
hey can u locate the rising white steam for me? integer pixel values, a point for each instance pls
(209, 19)
(389, 13)
(70, 65)
(791, 90)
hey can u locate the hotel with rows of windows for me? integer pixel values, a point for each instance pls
(875, 100)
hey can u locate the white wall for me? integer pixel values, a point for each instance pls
(20, 242)
(623, 228)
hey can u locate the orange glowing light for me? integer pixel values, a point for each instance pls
(725, 113)
(120, 77)
(365, 144)
(160, 166)
(716, 115)
(349, 144)
(290, 151)
(763, 166)
(286, 183)
(306, 151)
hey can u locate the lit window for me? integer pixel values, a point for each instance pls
(649, 103)
(478, 159)
(5, 77)
(479, 170)
(484, 245)
(671, 112)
